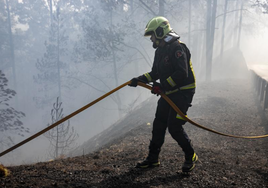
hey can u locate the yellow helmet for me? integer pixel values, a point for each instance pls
(159, 26)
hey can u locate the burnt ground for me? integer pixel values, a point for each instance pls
(229, 107)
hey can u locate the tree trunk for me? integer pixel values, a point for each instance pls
(190, 23)
(51, 15)
(131, 6)
(223, 30)
(235, 32)
(57, 133)
(240, 25)
(57, 144)
(196, 48)
(210, 37)
(12, 53)
(213, 23)
(115, 73)
(202, 63)
(58, 55)
(161, 8)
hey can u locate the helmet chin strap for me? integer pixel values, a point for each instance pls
(156, 44)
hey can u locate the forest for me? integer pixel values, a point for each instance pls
(58, 55)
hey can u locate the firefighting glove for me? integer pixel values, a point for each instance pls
(134, 82)
(157, 88)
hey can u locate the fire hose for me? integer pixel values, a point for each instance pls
(109, 93)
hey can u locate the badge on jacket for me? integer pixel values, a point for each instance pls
(166, 59)
(178, 54)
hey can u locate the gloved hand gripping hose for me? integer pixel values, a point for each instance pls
(109, 93)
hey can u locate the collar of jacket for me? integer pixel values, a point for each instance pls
(171, 37)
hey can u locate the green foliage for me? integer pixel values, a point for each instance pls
(9, 117)
(4, 39)
(100, 41)
(51, 64)
(263, 4)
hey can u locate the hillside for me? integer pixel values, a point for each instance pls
(228, 106)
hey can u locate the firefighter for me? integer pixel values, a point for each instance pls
(173, 68)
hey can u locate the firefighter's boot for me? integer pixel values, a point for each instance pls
(152, 159)
(189, 163)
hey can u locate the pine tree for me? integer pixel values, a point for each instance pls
(50, 65)
(62, 137)
(10, 122)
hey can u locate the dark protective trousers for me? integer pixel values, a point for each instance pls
(166, 117)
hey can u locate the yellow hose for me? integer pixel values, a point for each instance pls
(194, 123)
(62, 120)
(109, 93)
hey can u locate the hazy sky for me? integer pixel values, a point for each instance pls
(255, 47)
(254, 42)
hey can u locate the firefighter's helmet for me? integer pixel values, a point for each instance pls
(159, 26)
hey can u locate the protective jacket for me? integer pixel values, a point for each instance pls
(173, 66)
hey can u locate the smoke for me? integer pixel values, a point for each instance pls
(90, 79)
